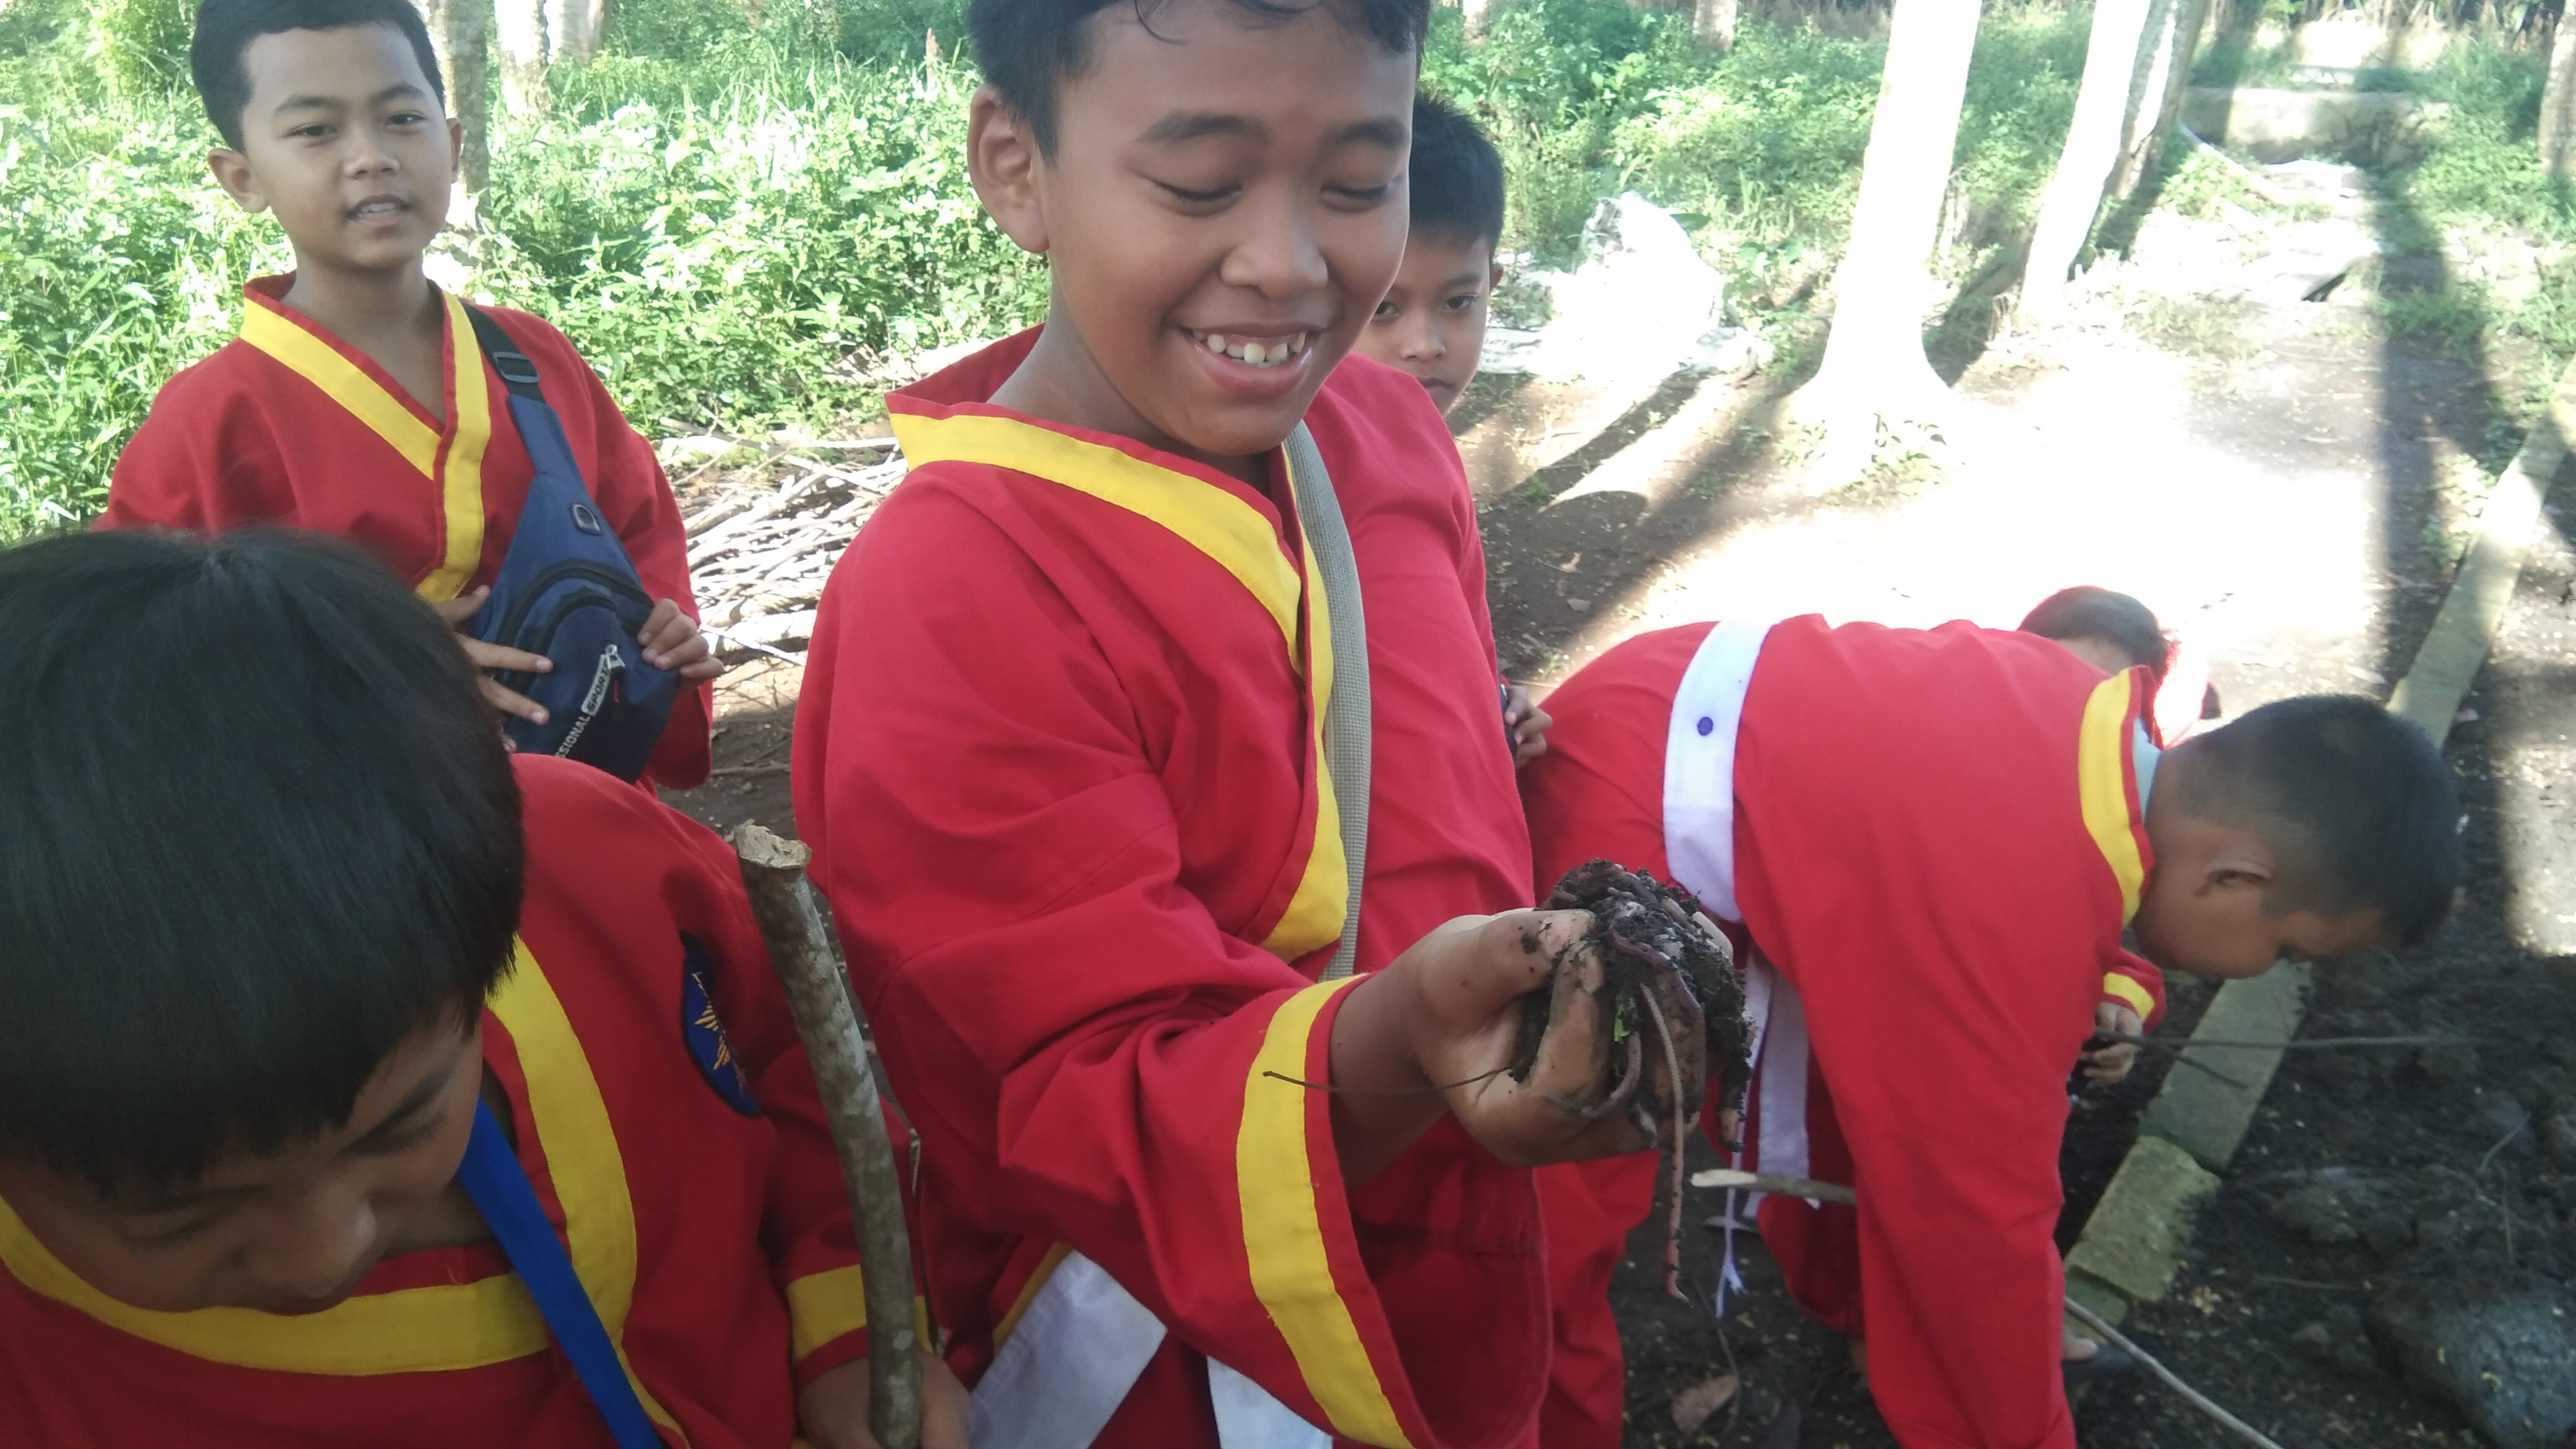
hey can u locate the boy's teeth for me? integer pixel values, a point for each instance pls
(1255, 353)
(1215, 342)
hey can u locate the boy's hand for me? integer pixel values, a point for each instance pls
(460, 611)
(1528, 725)
(833, 1408)
(1446, 1014)
(2111, 1062)
(671, 641)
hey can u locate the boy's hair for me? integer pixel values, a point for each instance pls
(2357, 801)
(225, 29)
(257, 829)
(1457, 176)
(1026, 47)
(2085, 612)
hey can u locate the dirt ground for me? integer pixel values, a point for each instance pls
(2287, 486)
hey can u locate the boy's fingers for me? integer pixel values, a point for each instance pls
(702, 670)
(496, 656)
(456, 611)
(511, 702)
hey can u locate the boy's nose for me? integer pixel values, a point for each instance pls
(1421, 341)
(1278, 254)
(312, 1254)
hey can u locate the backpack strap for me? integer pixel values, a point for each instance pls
(499, 1187)
(1346, 714)
(518, 374)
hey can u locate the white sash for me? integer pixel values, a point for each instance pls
(1079, 1348)
(1699, 764)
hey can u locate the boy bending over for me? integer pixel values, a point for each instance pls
(310, 983)
(357, 400)
(1062, 756)
(1931, 840)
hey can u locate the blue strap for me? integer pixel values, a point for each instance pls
(492, 1177)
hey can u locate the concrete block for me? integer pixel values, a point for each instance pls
(2365, 127)
(2133, 1242)
(2209, 1096)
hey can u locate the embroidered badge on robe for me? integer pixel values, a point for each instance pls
(705, 1033)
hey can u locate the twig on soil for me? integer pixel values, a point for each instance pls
(1384, 1091)
(754, 645)
(2195, 1397)
(2173, 1045)
(774, 767)
(1806, 1187)
(2501, 1141)
(2304, 1283)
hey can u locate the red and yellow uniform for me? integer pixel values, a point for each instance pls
(286, 424)
(715, 1245)
(1933, 839)
(1058, 757)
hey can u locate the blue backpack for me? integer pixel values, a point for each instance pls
(568, 591)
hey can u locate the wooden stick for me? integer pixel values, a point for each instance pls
(2194, 1397)
(2177, 1045)
(1834, 1192)
(1785, 1186)
(808, 961)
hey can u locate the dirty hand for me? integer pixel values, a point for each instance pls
(460, 611)
(1461, 989)
(833, 1407)
(671, 641)
(1528, 725)
(2111, 1063)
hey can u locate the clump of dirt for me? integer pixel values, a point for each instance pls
(1656, 942)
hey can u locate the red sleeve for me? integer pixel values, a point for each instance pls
(1089, 1059)
(635, 497)
(205, 459)
(2137, 985)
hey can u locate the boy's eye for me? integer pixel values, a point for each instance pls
(1187, 197)
(1462, 301)
(174, 1230)
(314, 132)
(1386, 312)
(1364, 195)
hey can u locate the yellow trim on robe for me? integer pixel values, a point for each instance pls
(1038, 1277)
(423, 1330)
(1283, 1235)
(2120, 988)
(582, 1156)
(1240, 541)
(461, 479)
(459, 476)
(2103, 762)
(823, 1306)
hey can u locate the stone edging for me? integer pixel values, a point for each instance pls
(2132, 1245)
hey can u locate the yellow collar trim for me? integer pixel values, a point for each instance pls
(1234, 535)
(469, 411)
(2104, 762)
(423, 1330)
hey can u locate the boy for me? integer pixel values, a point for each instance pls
(1061, 754)
(356, 400)
(1931, 841)
(2112, 631)
(287, 937)
(1432, 321)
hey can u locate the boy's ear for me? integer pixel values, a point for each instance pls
(232, 172)
(1002, 158)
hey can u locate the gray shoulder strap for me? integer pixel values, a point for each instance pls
(1346, 714)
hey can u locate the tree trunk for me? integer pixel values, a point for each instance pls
(463, 29)
(2172, 45)
(1874, 367)
(1713, 25)
(519, 44)
(2105, 107)
(2558, 105)
(574, 29)
(1477, 13)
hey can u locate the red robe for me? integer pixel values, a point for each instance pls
(1914, 853)
(716, 1246)
(287, 424)
(1058, 760)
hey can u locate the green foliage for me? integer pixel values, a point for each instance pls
(143, 43)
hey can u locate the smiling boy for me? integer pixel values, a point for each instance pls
(1062, 755)
(1930, 841)
(356, 400)
(302, 968)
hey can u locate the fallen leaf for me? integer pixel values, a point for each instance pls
(1693, 1405)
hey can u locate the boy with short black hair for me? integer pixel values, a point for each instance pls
(303, 970)
(1080, 738)
(356, 400)
(1432, 323)
(1929, 842)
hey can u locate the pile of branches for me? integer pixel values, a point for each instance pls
(760, 552)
